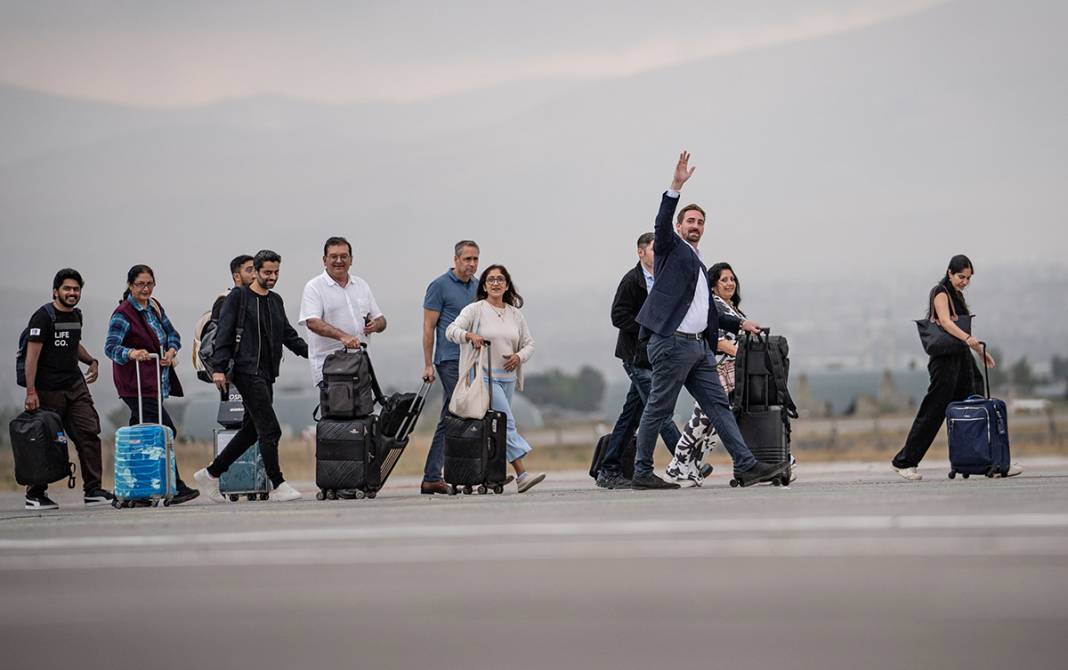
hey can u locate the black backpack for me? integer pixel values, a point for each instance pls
(762, 372)
(20, 356)
(40, 448)
(349, 388)
(204, 341)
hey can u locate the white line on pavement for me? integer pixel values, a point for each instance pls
(555, 529)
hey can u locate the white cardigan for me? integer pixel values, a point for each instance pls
(469, 319)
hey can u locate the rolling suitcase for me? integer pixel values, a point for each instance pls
(344, 458)
(978, 434)
(39, 447)
(476, 449)
(144, 455)
(626, 459)
(764, 425)
(247, 476)
(397, 420)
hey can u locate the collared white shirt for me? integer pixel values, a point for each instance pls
(648, 279)
(696, 319)
(343, 307)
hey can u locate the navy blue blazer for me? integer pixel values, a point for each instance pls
(677, 270)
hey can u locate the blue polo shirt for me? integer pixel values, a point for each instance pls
(448, 295)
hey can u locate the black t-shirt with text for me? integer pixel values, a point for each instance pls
(57, 367)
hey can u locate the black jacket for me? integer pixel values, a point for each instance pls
(677, 269)
(248, 356)
(630, 296)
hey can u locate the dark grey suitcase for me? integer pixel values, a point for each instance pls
(345, 465)
(475, 453)
(767, 434)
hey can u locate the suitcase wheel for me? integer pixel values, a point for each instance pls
(250, 496)
(331, 494)
(166, 502)
(482, 489)
(467, 490)
(952, 474)
(785, 480)
(359, 495)
(320, 495)
(498, 489)
(735, 483)
(964, 475)
(263, 496)
(990, 472)
(452, 489)
(233, 497)
(371, 494)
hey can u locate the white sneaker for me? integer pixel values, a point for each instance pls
(909, 474)
(209, 486)
(530, 481)
(284, 493)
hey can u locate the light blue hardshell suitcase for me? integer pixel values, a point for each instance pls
(247, 476)
(144, 455)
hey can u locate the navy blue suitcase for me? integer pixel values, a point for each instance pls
(978, 435)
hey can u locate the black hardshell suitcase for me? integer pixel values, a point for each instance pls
(475, 453)
(345, 465)
(626, 459)
(39, 444)
(766, 432)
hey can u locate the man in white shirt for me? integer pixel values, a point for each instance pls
(337, 308)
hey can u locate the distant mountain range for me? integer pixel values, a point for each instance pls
(839, 174)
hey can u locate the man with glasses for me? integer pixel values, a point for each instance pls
(337, 308)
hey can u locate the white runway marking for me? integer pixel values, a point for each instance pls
(349, 554)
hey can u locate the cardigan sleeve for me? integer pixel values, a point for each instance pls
(526, 341)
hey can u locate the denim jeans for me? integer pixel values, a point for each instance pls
(448, 373)
(678, 362)
(641, 381)
(502, 402)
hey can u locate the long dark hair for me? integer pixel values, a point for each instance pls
(132, 275)
(511, 296)
(958, 263)
(713, 276)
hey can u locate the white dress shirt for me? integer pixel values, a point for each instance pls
(343, 307)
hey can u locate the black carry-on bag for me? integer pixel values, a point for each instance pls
(626, 459)
(348, 389)
(39, 444)
(760, 383)
(344, 458)
(396, 421)
(475, 449)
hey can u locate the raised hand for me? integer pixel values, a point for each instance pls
(682, 171)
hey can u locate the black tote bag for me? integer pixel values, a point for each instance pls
(934, 338)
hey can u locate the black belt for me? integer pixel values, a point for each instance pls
(690, 336)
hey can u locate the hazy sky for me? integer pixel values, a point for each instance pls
(188, 53)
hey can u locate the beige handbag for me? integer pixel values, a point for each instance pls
(471, 397)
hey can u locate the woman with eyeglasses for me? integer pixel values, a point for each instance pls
(139, 327)
(495, 317)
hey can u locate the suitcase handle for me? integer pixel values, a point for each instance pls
(414, 410)
(159, 390)
(986, 368)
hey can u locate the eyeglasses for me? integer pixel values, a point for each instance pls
(144, 284)
(496, 280)
(342, 257)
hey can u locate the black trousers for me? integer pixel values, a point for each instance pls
(151, 415)
(259, 424)
(953, 378)
(82, 423)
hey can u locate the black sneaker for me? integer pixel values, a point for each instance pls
(98, 497)
(651, 481)
(40, 502)
(612, 480)
(184, 494)
(762, 472)
(706, 470)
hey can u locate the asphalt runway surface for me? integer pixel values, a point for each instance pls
(850, 567)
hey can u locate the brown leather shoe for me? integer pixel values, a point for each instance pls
(430, 488)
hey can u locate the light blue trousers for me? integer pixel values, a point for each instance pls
(502, 402)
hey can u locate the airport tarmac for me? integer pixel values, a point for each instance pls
(850, 567)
